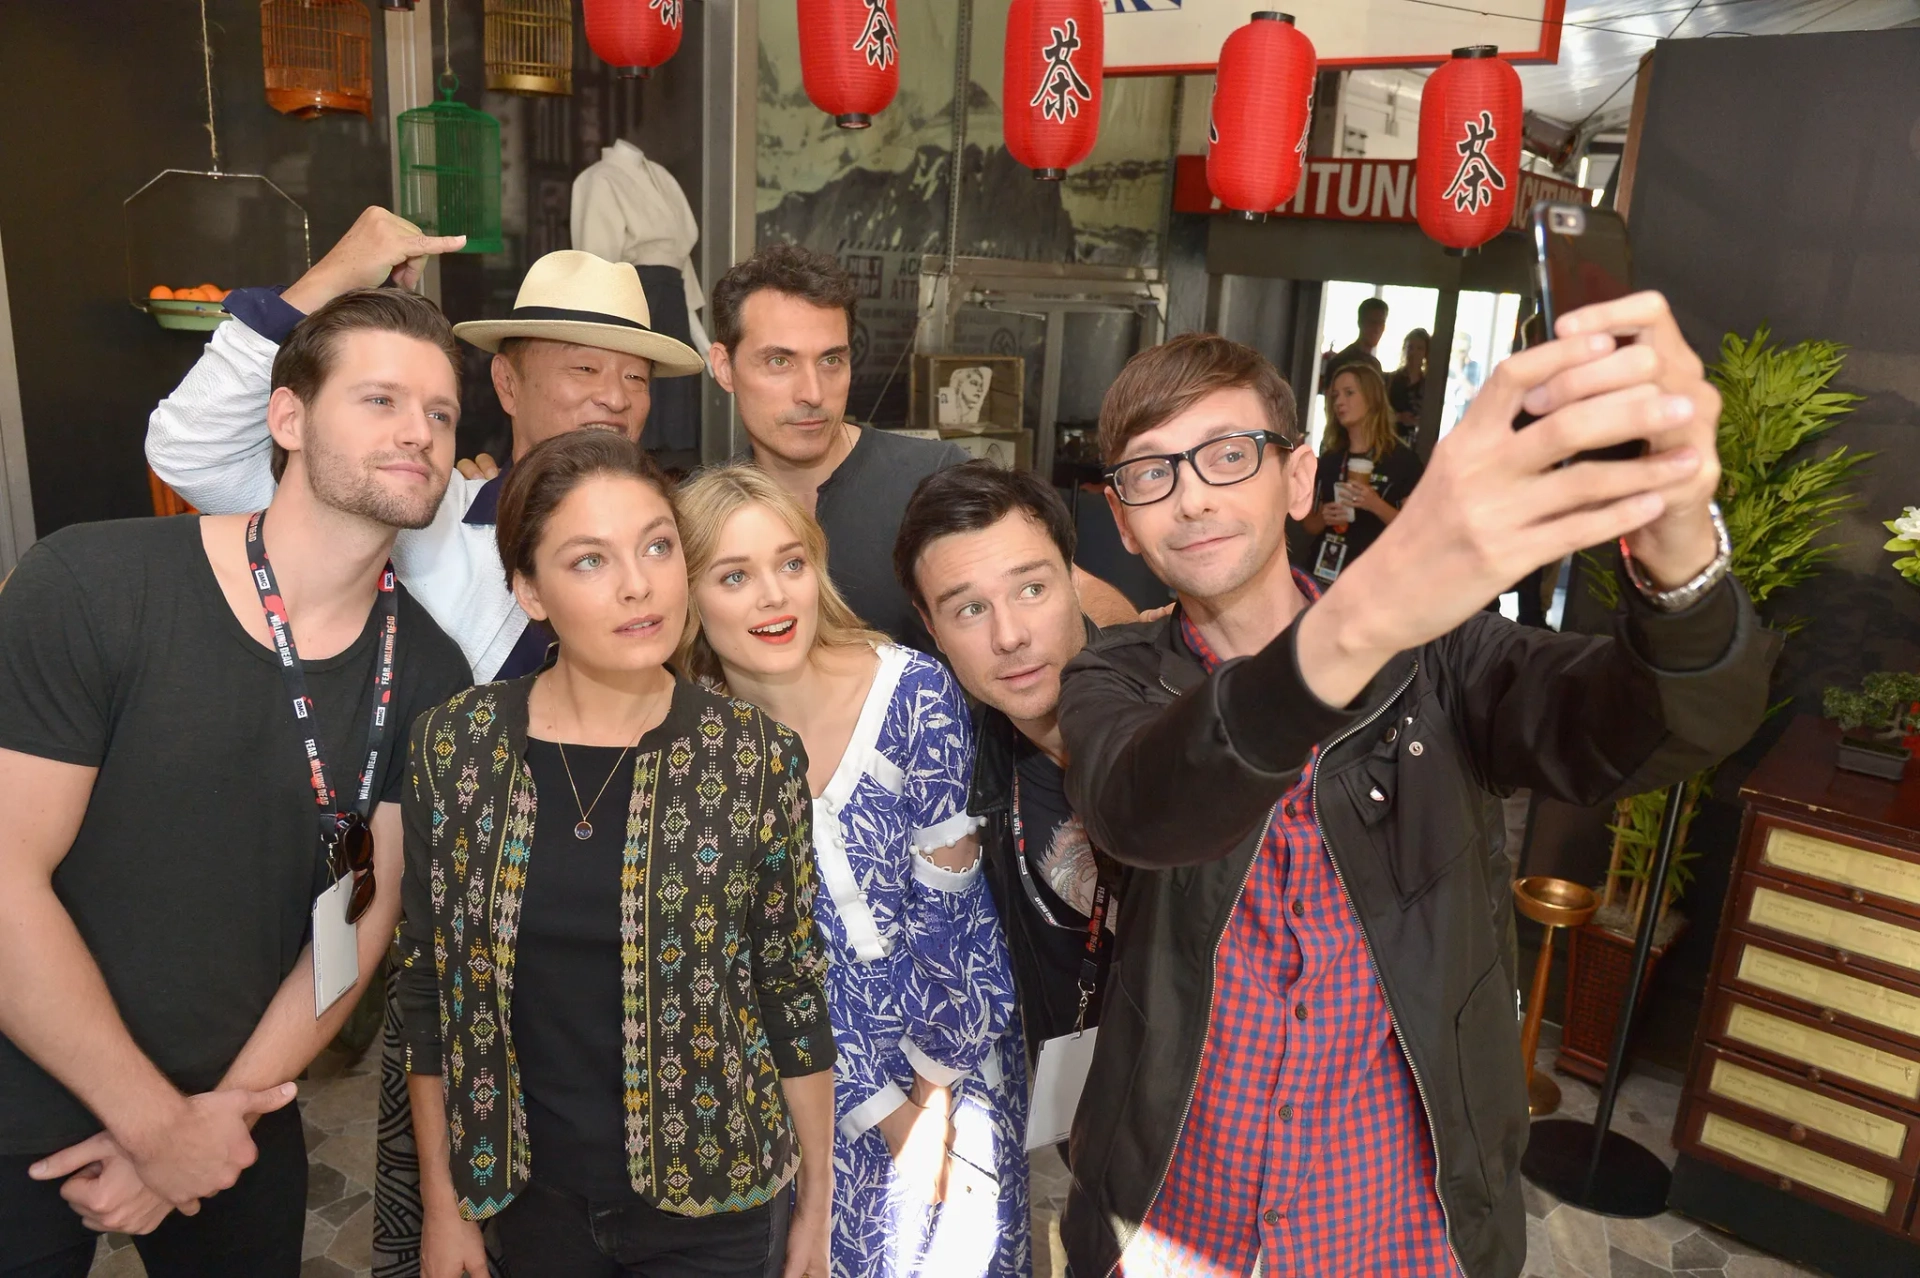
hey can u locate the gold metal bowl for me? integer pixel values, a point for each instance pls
(1553, 902)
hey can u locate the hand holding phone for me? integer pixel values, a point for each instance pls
(1580, 259)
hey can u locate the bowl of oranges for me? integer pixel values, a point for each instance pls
(196, 307)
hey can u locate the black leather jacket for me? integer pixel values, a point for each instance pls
(1176, 770)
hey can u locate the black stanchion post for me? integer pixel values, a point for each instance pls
(1584, 1163)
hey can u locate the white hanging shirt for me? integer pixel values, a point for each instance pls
(626, 208)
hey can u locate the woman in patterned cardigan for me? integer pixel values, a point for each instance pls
(612, 991)
(930, 1174)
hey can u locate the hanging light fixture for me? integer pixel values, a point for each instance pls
(450, 163)
(850, 57)
(1257, 126)
(1468, 174)
(1050, 96)
(635, 35)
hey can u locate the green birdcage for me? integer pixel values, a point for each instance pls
(450, 170)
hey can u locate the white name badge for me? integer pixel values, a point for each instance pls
(336, 948)
(1058, 1080)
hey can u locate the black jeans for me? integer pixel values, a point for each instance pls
(549, 1233)
(250, 1231)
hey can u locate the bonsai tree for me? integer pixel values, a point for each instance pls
(1778, 500)
(1887, 706)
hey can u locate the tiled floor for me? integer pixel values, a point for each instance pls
(337, 1104)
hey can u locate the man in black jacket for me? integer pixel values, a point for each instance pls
(1308, 1059)
(985, 554)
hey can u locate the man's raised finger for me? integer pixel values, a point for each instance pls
(1597, 483)
(415, 246)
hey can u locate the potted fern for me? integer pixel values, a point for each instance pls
(1778, 500)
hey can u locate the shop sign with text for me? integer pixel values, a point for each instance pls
(1356, 190)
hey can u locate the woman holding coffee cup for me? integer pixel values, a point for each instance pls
(1365, 472)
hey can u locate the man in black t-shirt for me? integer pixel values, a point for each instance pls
(167, 790)
(984, 554)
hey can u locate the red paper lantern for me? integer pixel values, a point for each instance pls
(635, 35)
(1257, 125)
(849, 58)
(1050, 99)
(1468, 173)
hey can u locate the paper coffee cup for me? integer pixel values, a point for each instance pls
(1360, 470)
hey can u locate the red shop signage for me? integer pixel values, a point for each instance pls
(1355, 190)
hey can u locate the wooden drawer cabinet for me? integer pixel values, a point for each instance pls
(1805, 1078)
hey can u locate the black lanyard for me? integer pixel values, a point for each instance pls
(1096, 918)
(387, 604)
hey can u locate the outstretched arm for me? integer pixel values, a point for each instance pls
(208, 440)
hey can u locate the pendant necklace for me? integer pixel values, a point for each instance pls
(584, 830)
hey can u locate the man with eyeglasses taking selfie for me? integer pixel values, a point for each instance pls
(202, 735)
(1309, 1061)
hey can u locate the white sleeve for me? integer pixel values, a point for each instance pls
(208, 440)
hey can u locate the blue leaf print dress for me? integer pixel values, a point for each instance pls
(919, 981)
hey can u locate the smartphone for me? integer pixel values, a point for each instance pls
(1580, 258)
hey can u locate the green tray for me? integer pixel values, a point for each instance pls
(199, 317)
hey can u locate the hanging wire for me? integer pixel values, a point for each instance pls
(206, 60)
(446, 41)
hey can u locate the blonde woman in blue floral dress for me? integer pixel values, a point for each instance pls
(930, 1174)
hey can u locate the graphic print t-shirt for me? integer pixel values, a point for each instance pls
(193, 876)
(1062, 875)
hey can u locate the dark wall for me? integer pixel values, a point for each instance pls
(98, 96)
(1779, 183)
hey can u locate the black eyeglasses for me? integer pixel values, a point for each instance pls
(350, 851)
(1230, 459)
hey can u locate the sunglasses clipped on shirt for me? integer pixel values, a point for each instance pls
(350, 851)
(1228, 459)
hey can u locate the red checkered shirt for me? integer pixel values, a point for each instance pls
(1306, 1145)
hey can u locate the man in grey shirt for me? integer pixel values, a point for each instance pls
(782, 328)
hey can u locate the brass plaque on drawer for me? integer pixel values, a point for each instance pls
(1869, 937)
(1828, 1175)
(1870, 1065)
(1838, 863)
(1818, 1113)
(1822, 988)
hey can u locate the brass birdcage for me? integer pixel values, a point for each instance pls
(530, 46)
(318, 56)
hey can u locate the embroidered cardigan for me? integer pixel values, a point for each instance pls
(722, 968)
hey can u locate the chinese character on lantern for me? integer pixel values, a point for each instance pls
(877, 41)
(1477, 178)
(670, 11)
(1061, 89)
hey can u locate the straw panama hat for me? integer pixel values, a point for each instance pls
(573, 296)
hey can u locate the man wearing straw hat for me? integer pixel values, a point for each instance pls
(579, 350)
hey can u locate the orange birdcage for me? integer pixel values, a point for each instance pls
(318, 56)
(530, 46)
